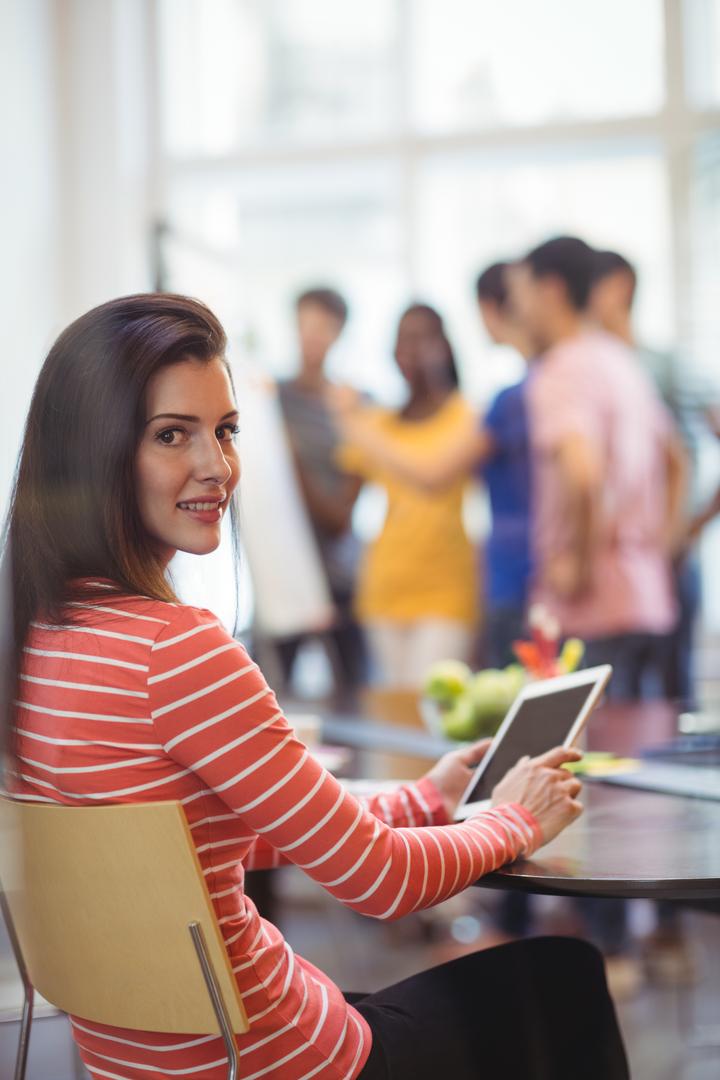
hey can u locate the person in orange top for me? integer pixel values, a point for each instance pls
(120, 693)
(417, 592)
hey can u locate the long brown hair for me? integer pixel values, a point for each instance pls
(73, 511)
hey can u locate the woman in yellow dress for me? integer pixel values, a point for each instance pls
(417, 591)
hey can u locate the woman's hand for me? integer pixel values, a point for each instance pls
(342, 401)
(548, 792)
(454, 770)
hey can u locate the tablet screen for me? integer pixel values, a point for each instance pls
(539, 724)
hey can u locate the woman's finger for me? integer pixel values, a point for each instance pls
(473, 755)
(573, 787)
(552, 759)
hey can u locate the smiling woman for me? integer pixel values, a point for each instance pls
(187, 465)
(89, 500)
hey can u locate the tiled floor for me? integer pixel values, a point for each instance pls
(364, 955)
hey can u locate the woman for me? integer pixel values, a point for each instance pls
(416, 594)
(495, 450)
(124, 695)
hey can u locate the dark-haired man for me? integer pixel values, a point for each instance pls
(329, 494)
(608, 471)
(506, 471)
(610, 306)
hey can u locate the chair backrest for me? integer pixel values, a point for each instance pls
(101, 899)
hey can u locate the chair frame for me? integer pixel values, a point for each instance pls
(28, 992)
(206, 966)
(207, 969)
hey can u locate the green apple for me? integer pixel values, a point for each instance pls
(492, 691)
(516, 676)
(460, 720)
(446, 680)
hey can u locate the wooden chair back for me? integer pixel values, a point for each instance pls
(101, 899)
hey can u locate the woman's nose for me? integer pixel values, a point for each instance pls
(212, 463)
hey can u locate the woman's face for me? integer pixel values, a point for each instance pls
(187, 464)
(421, 352)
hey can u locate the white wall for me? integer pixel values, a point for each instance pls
(76, 118)
(30, 211)
(106, 123)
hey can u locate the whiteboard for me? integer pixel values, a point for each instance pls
(289, 582)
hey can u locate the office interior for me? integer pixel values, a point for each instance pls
(242, 151)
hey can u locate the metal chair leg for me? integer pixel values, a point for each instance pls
(29, 999)
(25, 1026)
(216, 998)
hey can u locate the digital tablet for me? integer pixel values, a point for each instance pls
(546, 713)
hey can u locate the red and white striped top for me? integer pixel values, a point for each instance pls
(134, 700)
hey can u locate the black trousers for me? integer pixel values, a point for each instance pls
(503, 625)
(679, 680)
(639, 664)
(531, 1010)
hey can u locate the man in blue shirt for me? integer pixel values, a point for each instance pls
(506, 472)
(505, 469)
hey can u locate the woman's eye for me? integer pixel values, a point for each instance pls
(170, 436)
(227, 431)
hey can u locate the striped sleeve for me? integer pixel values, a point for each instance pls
(419, 803)
(215, 715)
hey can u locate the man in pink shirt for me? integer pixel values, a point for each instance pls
(608, 474)
(608, 488)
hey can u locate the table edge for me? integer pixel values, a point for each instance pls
(624, 888)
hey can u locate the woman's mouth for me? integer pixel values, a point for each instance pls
(208, 511)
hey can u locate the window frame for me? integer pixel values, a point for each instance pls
(678, 127)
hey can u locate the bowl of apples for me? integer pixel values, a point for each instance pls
(457, 703)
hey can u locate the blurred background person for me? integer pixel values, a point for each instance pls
(495, 450)
(610, 306)
(417, 593)
(505, 469)
(666, 954)
(608, 475)
(328, 492)
(609, 489)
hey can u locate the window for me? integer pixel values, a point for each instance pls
(242, 72)
(475, 208)
(477, 63)
(702, 52)
(703, 323)
(250, 242)
(393, 148)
